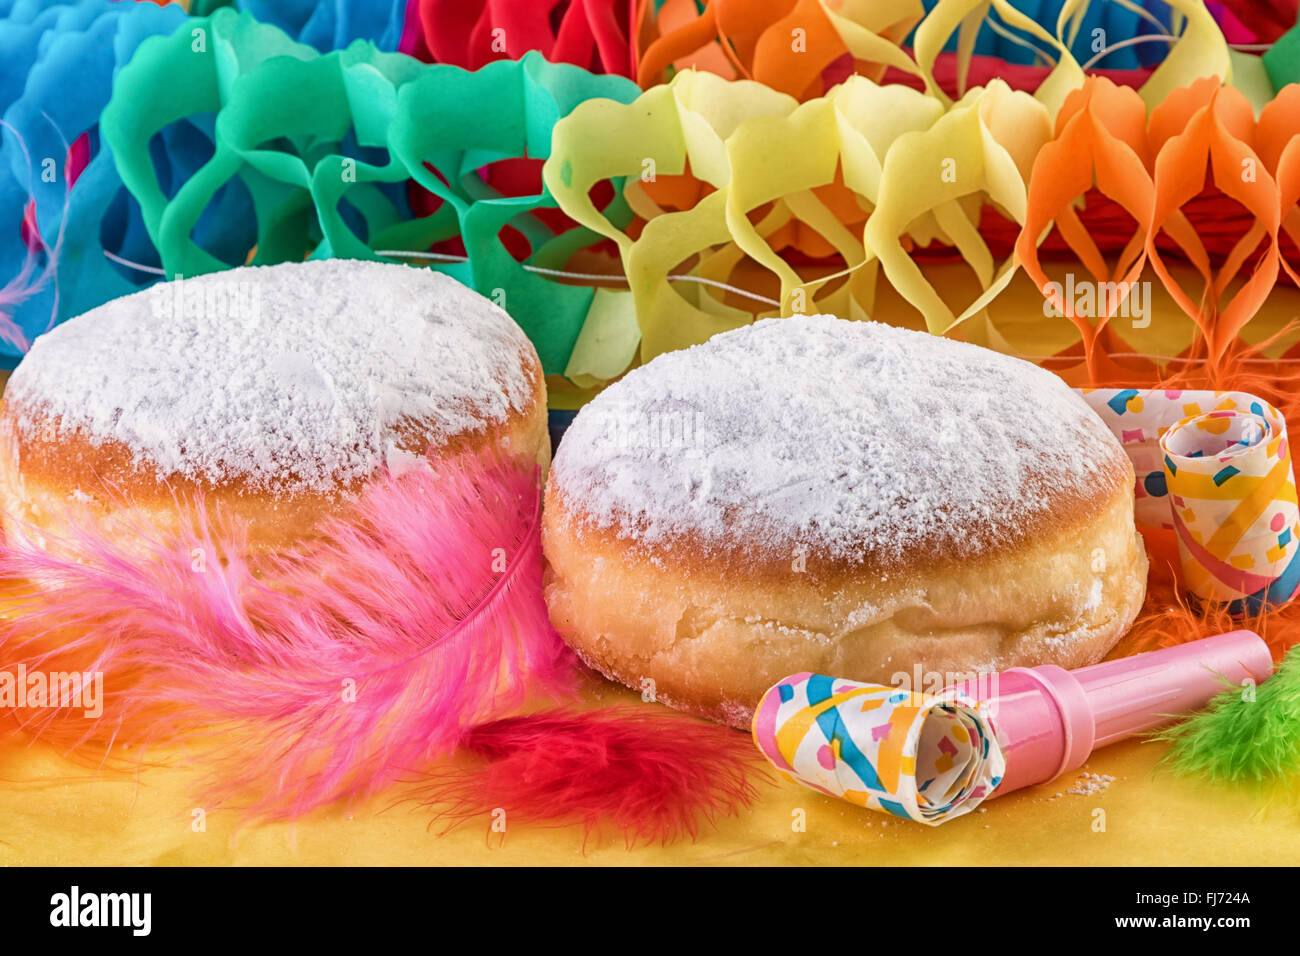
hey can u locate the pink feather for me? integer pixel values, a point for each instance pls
(320, 676)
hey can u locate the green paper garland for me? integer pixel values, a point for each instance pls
(304, 133)
(1282, 59)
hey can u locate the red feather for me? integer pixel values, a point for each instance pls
(654, 775)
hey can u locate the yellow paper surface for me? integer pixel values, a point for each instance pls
(1151, 817)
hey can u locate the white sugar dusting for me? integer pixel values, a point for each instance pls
(850, 439)
(292, 377)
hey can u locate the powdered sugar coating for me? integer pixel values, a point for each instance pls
(855, 440)
(291, 377)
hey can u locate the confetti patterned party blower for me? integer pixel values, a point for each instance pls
(1216, 468)
(925, 758)
(933, 758)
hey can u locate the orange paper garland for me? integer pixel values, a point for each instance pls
(1152, 168)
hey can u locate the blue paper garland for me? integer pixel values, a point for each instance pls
(64, 57)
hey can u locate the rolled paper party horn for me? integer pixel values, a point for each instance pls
(922, 757)
(932, 758)
(1216, 468)
(1233, 497)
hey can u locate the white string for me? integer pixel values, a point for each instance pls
(1008, 35)
(729, 288)
(447, 257)
(1164, 35)
(436, 256)
(135, 265)
(1144, 13)
(722, 285)
(589, 276)
(1145, 355)
(1131, 41)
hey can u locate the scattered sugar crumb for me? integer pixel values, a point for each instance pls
(1091, 783)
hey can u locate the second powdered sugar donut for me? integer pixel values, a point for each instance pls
(815, 494)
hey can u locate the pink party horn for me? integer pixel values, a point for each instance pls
(1048, 720)
(932, 758)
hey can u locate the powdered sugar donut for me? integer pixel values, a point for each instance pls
(275, 391)
(814, 494)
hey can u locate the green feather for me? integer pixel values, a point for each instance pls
(1246, 734)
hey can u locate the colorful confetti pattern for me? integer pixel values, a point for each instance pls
(1216, 468)
(924, 758)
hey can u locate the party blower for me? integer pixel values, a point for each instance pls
(933, 757)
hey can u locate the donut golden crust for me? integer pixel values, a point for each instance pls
(713, 591)
(713, 641)
(43, 482)
(338, 400)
